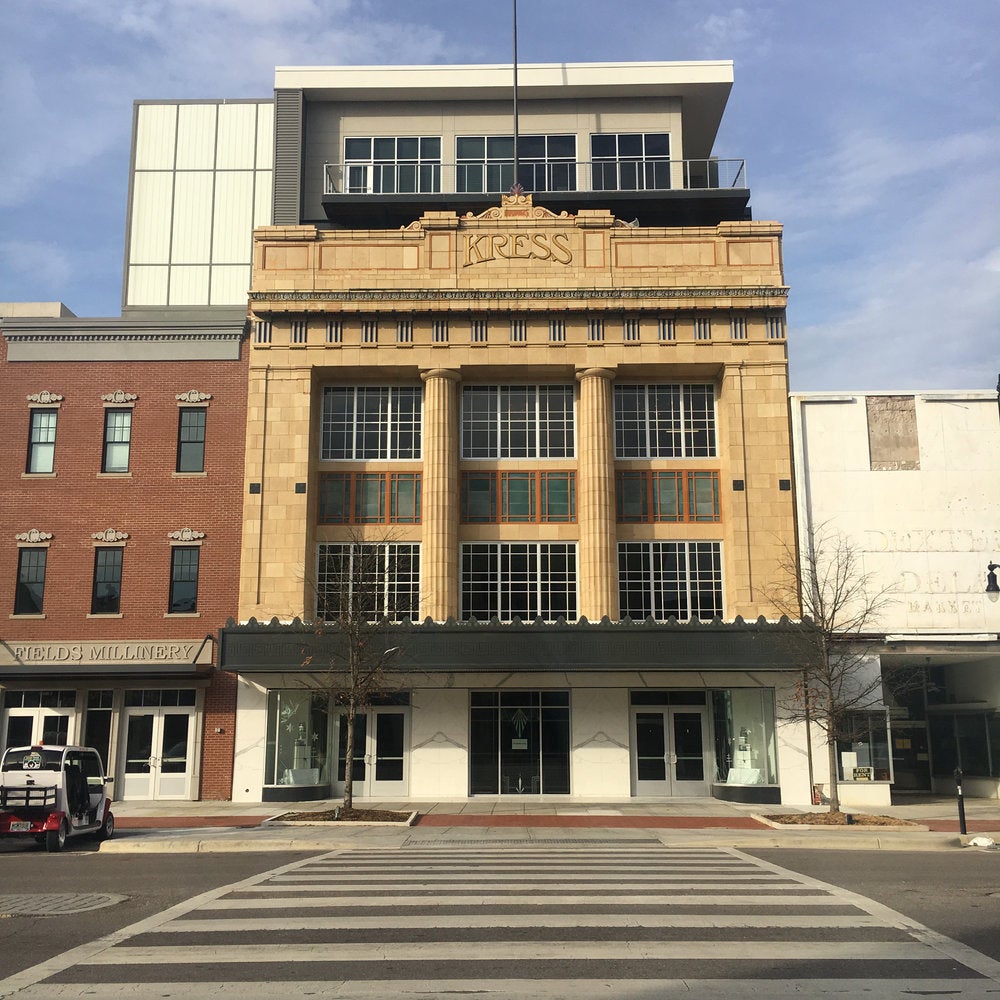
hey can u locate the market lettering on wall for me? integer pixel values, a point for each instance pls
(152, 651)
(517, 246)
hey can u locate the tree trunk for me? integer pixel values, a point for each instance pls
(349, 757)
(831, 747)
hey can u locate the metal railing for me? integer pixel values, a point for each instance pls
(535, 176)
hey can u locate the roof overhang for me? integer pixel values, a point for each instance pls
(702, 86)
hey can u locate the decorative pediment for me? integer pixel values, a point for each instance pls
(516, 205)
(119, 397)
(192, 396)
(109, 535)
(45, 397)
(34, 535)
(185, 535)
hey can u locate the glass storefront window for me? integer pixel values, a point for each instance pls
(863, 750)
(745, 751)
(298, 738)
(967, 741)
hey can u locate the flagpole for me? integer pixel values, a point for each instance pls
(516, 165)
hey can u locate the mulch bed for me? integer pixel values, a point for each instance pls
(342, 815)
(837, 819)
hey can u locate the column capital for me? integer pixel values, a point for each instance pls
(452, 374)
(606, 373)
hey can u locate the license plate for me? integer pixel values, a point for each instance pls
(21, 826)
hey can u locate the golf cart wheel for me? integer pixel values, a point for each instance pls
(55, 840)
(107, 827)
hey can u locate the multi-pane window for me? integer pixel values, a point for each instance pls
(517, 421)
(667, 329)
(486, 163)
(183, 579)
(557, 330)
(525, 580)
(630, 161)
(369, 498)
(665, 421)
(366, 582)
(262, 331)
(334, 331)
(107, 592)
(650, 496)
(518, 331)
(479, 331)
(595, 330)
(191, 439)
(42, 441)
(30, 581)
(518, 497)
(702, 328)
(775, 327)
(299, 332)
(117, 439)
(391, 165)
(737, 328)
(630, 330)
(670, 580)
(404, 331)
(362, 422)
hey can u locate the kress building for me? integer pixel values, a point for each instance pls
(560, 413)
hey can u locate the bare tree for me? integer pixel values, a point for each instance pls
(840, 605)
(358, 596)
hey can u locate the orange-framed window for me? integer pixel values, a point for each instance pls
(518, 497)
(649, 496)
(369, 498)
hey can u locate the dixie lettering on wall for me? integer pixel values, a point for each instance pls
(483, 247)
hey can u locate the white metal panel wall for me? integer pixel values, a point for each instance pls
(147, 285)
(192, 230)
(230, 284)
(237, 137)
(262, 198)
(196, 136)
(233, 217)
(265, 136)
(189, 285)
(156, 130)
(152, 196)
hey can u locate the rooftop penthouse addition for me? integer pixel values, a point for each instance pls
(375, 147)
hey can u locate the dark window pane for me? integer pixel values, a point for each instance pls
(184, 579)
(42, 441)
(357, 149)
(117, 437)
(30, 588)
(106, 595)
(191, 440)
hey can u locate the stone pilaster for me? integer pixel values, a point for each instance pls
(440, 503)
(595, 495)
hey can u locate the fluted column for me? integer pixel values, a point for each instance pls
(595, 492)
(439, 537)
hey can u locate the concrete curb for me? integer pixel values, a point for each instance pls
(906, 827)
(333, 823)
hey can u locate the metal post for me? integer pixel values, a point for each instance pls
(516, 165)
(961, 801)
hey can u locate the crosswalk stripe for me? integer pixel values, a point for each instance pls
(291, 902)
(226, 925)
(498, 885)
(519, 951)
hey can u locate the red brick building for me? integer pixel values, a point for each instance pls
(121, 474)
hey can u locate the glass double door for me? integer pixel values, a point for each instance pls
(668, 751)
(157, 757)
(380, 758)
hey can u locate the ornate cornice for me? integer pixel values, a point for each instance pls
(185, 535)
(48, 337)
(119, 397)
(109, 535)
(33, 535)
(485, 295)
(45, 397)
(192, 396)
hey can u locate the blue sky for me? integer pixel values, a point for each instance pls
(870, 130)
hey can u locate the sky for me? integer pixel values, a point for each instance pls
(870, 130)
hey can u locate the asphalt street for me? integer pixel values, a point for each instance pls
(565, 919)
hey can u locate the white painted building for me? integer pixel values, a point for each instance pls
(913, 481)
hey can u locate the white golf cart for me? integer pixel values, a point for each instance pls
(52, 792)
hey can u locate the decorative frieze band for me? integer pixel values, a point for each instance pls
(33, 535)
(119, 397)
(185, 535)
(109, 535)
(482, 294)
(45, 397)
(193, 396)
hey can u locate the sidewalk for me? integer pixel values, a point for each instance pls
(240, 826)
